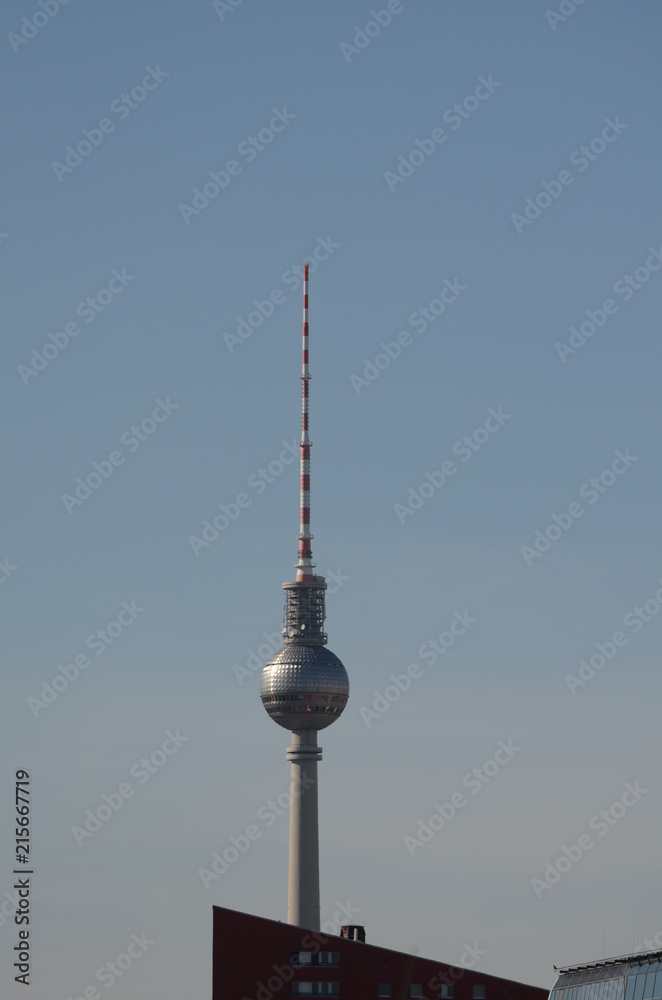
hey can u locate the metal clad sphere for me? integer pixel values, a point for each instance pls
(304, 687)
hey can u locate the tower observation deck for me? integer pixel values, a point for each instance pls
(304, 688)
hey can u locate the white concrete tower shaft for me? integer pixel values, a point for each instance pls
(303, 888)
(304, 687)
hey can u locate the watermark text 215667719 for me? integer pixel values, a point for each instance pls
(22, 885)
(22, 816)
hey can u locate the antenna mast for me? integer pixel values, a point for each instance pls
(304, 687)
(305, 564)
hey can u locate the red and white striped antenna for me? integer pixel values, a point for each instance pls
(304, 688)
(305, 565)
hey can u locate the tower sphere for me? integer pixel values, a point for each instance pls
(304, 687)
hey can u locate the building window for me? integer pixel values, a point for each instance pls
(315, 989)
(479, 992)
(326, 958)
(416, 990)
(649, 989)
(384, 990)
(447, 991)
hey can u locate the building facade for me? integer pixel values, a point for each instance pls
(259, 959)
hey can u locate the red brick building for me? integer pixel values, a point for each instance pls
(258, 959)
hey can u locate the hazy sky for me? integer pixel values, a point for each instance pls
(434, 164)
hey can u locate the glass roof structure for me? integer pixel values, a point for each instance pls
(629, 977)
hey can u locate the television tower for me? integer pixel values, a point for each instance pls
(304, 688)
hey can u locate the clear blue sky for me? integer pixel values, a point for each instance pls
(351, 109)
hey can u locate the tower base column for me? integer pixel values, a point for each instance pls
(303, 899)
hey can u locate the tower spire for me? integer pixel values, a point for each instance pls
(304, 688)
(305, 565)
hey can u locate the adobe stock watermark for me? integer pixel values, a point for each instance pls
(443, 981)
(132, 438)
(258, 481)
(12, 904)
(265, 308)
(419, 320)
(248, 148)
(596, 319)
(121, 108)
(606, 651)
(582, 158)
(430, 651)
(455, 117)
(31, 26)
(566, 9)
(256, 659)
(88, 310)
(7, 569)
(312, 943)
(650, 944)
(591, 491)
(602, 823)
(464, 448)
(223, 7)
(237, 846)
(98, 643)
(142, 771)
(474, 781)
(110, 972)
